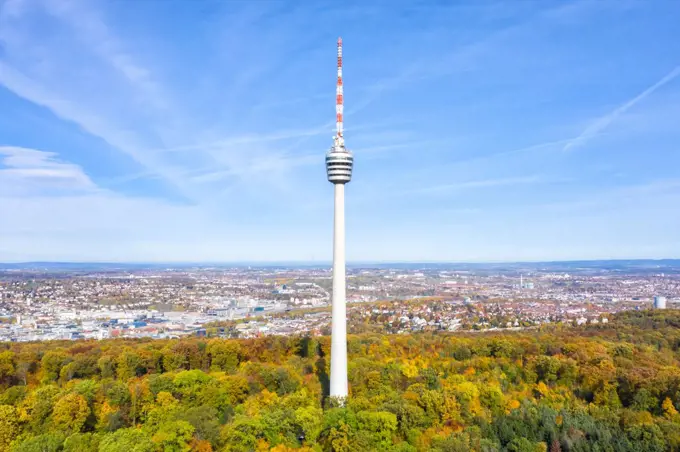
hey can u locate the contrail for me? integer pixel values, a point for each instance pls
(604, 121)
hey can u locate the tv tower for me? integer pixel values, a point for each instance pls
(339, 162)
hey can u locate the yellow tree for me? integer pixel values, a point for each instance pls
(9, 425)
(6, 366)
(668, 409)
(70, 412)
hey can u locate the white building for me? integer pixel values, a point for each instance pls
(659, 302)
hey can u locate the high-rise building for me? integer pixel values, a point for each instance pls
(659, 302)
(339, 162)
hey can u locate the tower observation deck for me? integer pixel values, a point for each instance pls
(339, 162)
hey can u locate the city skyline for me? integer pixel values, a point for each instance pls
(487, 133)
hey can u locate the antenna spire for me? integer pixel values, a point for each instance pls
(338, 98)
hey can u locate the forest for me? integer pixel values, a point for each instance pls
(613, 387)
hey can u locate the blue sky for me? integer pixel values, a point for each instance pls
(196, 131)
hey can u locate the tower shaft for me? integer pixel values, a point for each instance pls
(339, 320)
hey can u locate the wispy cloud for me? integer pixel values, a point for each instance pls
(542, 147)
(288, 102)
(270, 165)
(475, 184)
(466, 56)
(86, 117)
(603, 122)
(641, 197)
(248, 139)
(31, 172)
(92, 30)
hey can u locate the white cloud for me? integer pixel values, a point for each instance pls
(52, 210)
(29, 172)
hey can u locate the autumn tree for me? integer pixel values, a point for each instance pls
(9, 426)
(70, 413)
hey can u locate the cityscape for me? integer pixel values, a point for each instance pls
(62, 302)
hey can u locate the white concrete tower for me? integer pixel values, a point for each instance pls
(339, 162)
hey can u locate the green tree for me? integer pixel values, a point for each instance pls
(205, 422)
(107, 366)
(48, 442)
(51, 364)
(547, 368)
(81, 367)
(242, 434)
(523, 445)
(174, 436)
(129, 364)
(13, 395)
(174, 361)
(381, 425)
(224, 355)
(645, 401)
(310, 420)
(127, 440)
(189, 383)
(82, 442)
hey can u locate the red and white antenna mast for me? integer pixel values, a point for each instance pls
(338, 98)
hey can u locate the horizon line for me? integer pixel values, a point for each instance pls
(355, 262)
